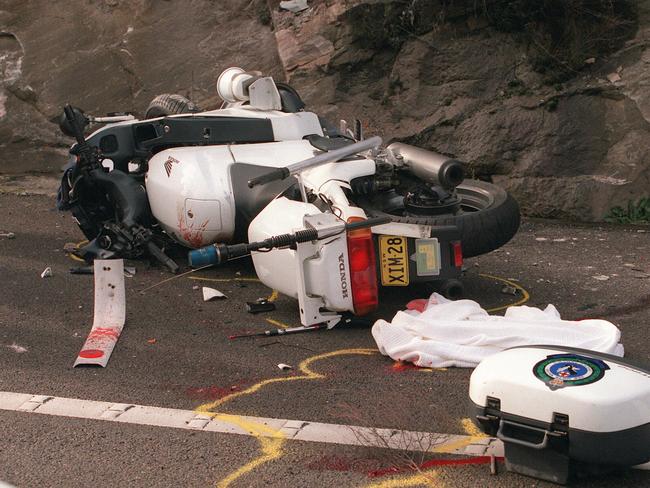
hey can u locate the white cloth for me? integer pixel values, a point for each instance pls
(461, 333)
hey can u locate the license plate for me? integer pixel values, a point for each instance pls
(394, 260)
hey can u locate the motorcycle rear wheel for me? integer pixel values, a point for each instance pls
(489, 216)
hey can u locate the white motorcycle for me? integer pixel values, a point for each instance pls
(261, 173)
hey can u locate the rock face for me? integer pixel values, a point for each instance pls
(453, 84)
(114, 55)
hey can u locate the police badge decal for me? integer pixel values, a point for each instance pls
(561, 370)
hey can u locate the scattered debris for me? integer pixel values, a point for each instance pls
(129, 271)
(196, 287)
(590, 60)
(47, 273)
(601, 277)
(151, 341)
(541, 239)
(560, 239)
(284, 367)
(211, 294)
(109, 314)
(509, 290)
(8, 235)
(629, 265)
(16, 348)
(275, 332)
(86, 270)
(260, 306)
(294, 6)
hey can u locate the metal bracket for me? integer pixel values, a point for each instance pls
(311, 306)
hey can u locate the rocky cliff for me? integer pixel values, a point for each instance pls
(568, 143)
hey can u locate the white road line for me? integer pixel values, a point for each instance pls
(290, 429)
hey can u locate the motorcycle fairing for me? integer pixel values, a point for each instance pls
(250, 201)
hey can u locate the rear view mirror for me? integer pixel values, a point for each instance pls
(80, 120)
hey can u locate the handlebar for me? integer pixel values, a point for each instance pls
(326, 157)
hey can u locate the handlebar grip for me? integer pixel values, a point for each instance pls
(276, 174)
(367, 223)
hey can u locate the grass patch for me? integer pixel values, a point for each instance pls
(634, 213)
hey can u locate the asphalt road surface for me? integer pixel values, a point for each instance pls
(175, 352)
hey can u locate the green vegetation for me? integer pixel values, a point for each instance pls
(635, 213)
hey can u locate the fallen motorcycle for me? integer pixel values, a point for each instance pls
(262, 167)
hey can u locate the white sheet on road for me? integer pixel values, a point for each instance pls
(461, 333)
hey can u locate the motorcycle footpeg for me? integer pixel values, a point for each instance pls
(158, 253)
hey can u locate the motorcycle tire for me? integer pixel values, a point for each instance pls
(170, 104)
(489, 218)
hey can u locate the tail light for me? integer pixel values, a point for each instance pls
(363, 272)
(457, 250)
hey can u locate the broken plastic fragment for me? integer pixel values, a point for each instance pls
(284, 367)
(211, 294)
(8, 235)
(47, 272)
(17, 349)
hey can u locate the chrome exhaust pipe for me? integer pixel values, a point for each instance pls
(428, 165)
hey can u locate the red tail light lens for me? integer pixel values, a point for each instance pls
(363, 273)
(457, 249)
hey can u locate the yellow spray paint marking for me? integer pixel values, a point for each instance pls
(271, 440)
(428, 480)
(277, 323)
(273, 296)
(304, 367)
(471, 429)
(524, 293)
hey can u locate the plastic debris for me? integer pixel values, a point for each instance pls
(259, 306)
(16, 348)
(196, 287)
(284, 367)
(87, 270)
(211, 294)
(8, 235)
(601, 277)
(129, 271)
(151, 341)
(47, 272)
(590, 60)
(294, 6)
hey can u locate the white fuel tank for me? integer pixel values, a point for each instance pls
(190, 194)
